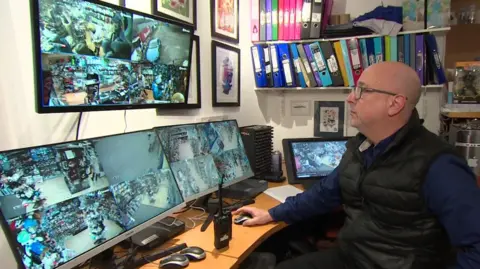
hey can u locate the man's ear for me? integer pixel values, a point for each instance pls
(396, 105)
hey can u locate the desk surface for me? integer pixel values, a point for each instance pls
(211, 261)
(244, 239)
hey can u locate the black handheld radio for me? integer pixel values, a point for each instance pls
(222, 223)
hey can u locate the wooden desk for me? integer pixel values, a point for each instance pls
(244, 239)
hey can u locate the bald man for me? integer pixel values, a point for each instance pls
(407, 195)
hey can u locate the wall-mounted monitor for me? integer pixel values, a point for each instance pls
(203, 154)
(62, 204)
(91, 55)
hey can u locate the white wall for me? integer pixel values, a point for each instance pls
(287, 126)
(21, 126)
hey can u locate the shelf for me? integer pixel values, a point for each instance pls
(298, 89)
(422, 31)
(462, 115)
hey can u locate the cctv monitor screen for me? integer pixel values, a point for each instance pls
(204, 154)
(98, 56)
(64, 203)
(316, 158)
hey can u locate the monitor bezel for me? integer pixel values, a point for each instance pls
(224, 184)
(290, 158)
(38, 80)
(13, 244)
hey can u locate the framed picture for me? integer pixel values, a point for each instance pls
(224, 19)
(184, 11)
(329, 119)
(225, 75)
(300, 107)
(194, 92)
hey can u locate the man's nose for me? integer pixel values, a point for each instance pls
(351, 98)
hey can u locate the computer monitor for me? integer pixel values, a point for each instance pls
(311, 159)
(62, 204)
(203, 154)
(91, 55)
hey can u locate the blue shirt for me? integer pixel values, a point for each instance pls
(450, 191)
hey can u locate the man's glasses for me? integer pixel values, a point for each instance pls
(359, 90)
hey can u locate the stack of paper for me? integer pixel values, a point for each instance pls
(281, 193)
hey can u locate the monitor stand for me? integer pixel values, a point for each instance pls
(134, 261)
(246, 189)
(202, 202)
(158, 233)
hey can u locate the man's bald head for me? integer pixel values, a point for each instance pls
(384, 99)
(398, 78)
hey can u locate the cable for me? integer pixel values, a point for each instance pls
(198, 217)
(187, 207)
(125, 120)
(149, 261)
(79, 122)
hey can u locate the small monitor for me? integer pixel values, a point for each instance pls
(62, 204)
(311, 159)
(203, 154)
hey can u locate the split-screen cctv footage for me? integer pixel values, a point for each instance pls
(63, 200)
(202, 155)
(93, 55)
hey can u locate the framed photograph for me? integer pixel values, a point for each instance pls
(329, 119)
(224, 19)
(225, 75)
(300, 107)
(194, 92)
(184, 11)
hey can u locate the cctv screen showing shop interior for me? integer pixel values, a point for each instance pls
(93, 56)
(61, 201)
(317, 158)
(203, 154)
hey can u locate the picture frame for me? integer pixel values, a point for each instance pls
(329, 119)
(173, 9)
(299, 108)
(194, 99)
(225, 75)
(224, 20)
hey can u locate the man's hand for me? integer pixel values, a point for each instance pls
(259, 216)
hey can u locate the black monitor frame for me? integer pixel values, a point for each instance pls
(13, 243)
(37, 54)
(290, 158)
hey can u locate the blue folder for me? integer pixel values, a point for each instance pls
(297, 63)
(370, 51)
(364, 52)
(276, 67)
(258, 60)
(321, 64)
(378, 46)
(346, 60)
(286, 65)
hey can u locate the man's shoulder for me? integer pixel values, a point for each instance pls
(427, 139)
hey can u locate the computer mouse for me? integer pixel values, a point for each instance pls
(242, 218)
(174, 261)
(194, 253)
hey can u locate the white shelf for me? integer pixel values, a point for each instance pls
(422, 31)
(298, 89)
